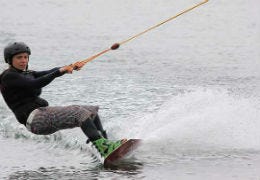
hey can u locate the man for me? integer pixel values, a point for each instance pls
(21, 89)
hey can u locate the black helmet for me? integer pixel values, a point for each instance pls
(13, 49)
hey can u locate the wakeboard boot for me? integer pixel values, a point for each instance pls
(105, 147)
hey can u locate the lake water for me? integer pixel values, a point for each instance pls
(190, 88)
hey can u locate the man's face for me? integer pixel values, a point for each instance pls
(20, 61)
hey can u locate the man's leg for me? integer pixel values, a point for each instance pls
(96, 120)
(90, 130)
(47, 120)
(99, 126)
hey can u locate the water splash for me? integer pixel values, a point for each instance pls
(200, 120)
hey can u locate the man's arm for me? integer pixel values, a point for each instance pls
(42, 73)
(13, 79)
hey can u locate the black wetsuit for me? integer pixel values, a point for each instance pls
(21, 90)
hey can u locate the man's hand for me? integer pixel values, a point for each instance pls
(78, 65)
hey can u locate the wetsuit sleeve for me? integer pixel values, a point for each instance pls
(42, 73)
(18, 80)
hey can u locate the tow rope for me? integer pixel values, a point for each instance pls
(117, 45)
